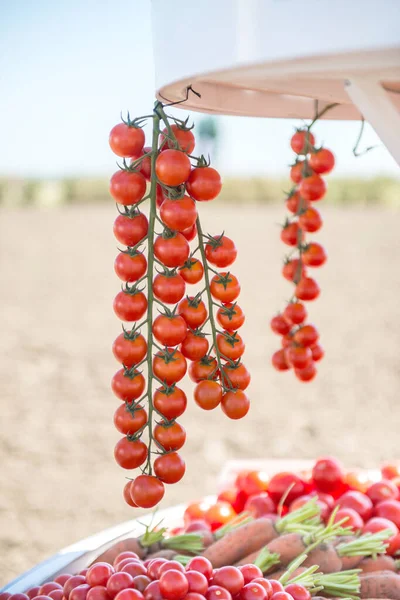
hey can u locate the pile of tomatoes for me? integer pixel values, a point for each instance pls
(369, 506)
(155, 296)
(300, 347)
(129, 578)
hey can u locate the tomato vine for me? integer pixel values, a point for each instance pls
(178, 182)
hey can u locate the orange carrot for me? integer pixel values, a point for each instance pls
(241, 542)
(166, 553)
(326, 557)
(380, 584)
(383, 562)
(288, 547)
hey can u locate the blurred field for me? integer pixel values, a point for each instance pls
(382, 191)
(59, 482)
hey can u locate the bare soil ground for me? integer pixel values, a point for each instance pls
(59, 482)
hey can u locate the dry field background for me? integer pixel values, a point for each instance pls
(59, 482)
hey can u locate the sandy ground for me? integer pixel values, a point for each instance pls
(59, 482)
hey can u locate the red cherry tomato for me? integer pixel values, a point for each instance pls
(389, 509)
(202, 565)
(302, 141)
(197, 582)
(382, 490)
(259, 505)
(219, 514)
(253, 591)
(285, 482)
(250, 572)
(380, 524)
(328, 474)
(204, 184)
(126, 140)
(173, 585)
(322, 161)
(229, 578)
(358, 502)
(297, 591)
(352, 517)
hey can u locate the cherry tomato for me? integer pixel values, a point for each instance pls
(129, 594)
(291, 234)
(62, 578)
(352, 517)
(252, 482)
(130, 307)
(152, 592)
(197, 582)
(307, 335)
(193, 310)
(169, 468)
(295, 203)
(126, 423)
(307, 289)
(170, 402)
(215, 592)
(389, 509)
(184, 137)
(169, 365)
(98, 574)
(265, 584)
(205, 368)
(236, 498)
(145, 165)
(302, 141)
(394, 546)
(314, 255)
(281, 483)
(170, 437)
(147, 491)
(172, 250)
(192, 271)
(219, 514)
(31, 593)
(312, 188)
(201, 565)
(126, 140)
(310, 220)
(131, 230)
(253, 591)
(190, 233)
(297, 591)
(204, 183)
(279, 361)
(195, 345)
(169, 288)
(173, 585)
(127, 187)
(220, 251)
(130, 455)
(306, 373)
(237, 375)
(322, 161)
(295, 313)
(153, 569)
(298, 357)
(172, 167)
(390, 471)
(129, 349)
(141, 583)
(276, 586)
(380, 524)
(76, 580)
(298, 171)
(260, 504)
(293, 270)
(382, 490)
(199, 525)
(280, 325)
(230, 345)
(250, 572)
(117, 582)
(169, 330)
(235, 404)
(130, 267)
(317, 352)
(230, 316)
(328, 475)
(179, 214)
(128, 385)
(78, 593)
(229, 578)
(225, 287)
(358, 502)
(48, 587)
(98, 592)
(302, 500)
(135, 569)
(208, 394)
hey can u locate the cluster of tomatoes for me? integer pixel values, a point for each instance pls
(368, 506)
(130, 578)
(300, 349)
(176, 334)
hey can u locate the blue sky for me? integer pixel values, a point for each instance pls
(67, 69)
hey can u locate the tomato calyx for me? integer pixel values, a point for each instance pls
(133, 289)
(214, 241)
(203, 162)
(168, 234)
(174, 193)
(231, 338)
(131, 373)
(137, 123)
(306, 169)
(223, 279)
(194, 301)
(131, 335)
(167, 356)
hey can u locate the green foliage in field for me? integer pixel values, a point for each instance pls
(376, 191)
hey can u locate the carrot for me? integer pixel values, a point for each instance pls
(131, 544)
(381, 584)
(326, 557)
(168, 554)
(382, 562)
(246, 540)
(287, 547)
(240, 542)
